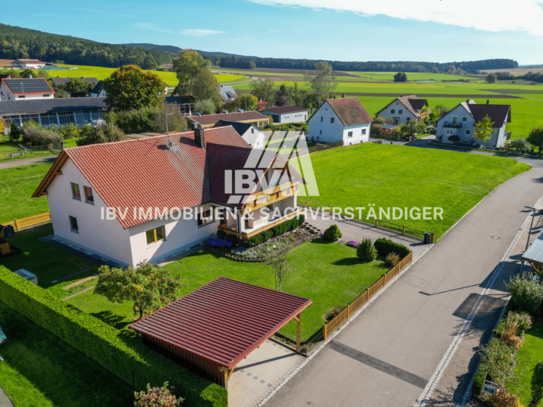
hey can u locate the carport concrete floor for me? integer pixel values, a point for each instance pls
(261, 372)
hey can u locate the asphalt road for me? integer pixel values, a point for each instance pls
(388, 354)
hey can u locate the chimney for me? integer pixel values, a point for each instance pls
(199, 137)
(30, 77)
(401, 96)
(335, 97)
(488, 101)
(343, 95)
(467, 100)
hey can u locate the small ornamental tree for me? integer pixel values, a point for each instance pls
(366, 251)
(15, 133)
(537, 385)
(261, 106)
(148, 288)
(2, 126)
(157, 397)
(536, 138)
(281, 270)
(332, 233)
(129, 87)
(483, 130)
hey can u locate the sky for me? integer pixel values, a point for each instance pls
(346, 30)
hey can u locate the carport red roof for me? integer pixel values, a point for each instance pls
(223, 321)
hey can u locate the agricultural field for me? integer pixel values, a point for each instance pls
(398, 176)
(412, 76)
(101, 73)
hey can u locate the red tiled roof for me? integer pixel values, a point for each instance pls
(232, 117)
(350, 111)
(30, 61)
(286, 109)
(145, 173)
(6, 62)
(223, 321)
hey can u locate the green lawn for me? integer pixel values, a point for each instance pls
(16, 188)
(328, 273)
(7, 147)
(529, 354)
(398, 176)
(39, 370)
(101, 73)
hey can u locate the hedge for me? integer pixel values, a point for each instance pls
(386, 246)
(275, 231)
(119, 353)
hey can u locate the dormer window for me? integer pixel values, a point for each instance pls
(331, 120)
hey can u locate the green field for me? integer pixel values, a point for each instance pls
(101, 73)
(398, 176)
(412, 76)
(328, 273)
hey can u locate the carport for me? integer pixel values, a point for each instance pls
(216, 326)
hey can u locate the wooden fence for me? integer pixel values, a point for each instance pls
(19, 224)
(365, 296)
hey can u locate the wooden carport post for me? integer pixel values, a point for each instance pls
(227, 375)
(298, 319)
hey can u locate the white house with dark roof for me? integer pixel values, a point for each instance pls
(405, 109)
(342, 119)
(228, 93)
(168, 194)
(27, 64)
(287, 114)
(248, 132)
(458, 125)
(25, 89)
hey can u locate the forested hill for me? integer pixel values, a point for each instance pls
(226, 60)
(16, 42)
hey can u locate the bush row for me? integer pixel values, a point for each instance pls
(275, 231)
(386, 246)
(122, 355)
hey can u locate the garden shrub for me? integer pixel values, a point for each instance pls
(478, 382)
(332, 234)
(104, 133)
(14, 132)
(376, 129)
(301, 219)
(386, 246)
(498, 361)
(526, 293)
(537, 384)
(37, 136)
(157, 396)
(366, 251)
(119, 353)
(523, 320)
(510, 335)
(502, 398)
(392, 259)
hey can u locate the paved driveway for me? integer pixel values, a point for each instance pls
(387, 356)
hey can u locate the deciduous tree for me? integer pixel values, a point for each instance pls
(206, 86)
(483, 130)
(129, 87)
(536, 138)
(78, 88)
(322, 80)
(149, 63)
(281, 270)
(187, 68)
(491, 78)
(247, 101)
(147, 287)
(400, 77)
(205, 106)
(264, 90)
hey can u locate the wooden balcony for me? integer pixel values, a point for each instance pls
(269, 196)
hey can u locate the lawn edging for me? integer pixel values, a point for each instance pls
(124, 356)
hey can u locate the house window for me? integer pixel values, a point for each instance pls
(73, 224)
(205, 217)
(320, 133)
(155, 235)
(322, 118)
(252, 131)
(363, 131)
(331, 119)
(392, 111)
(45, 96)
(89, 197)
(350, 134)
(468, 131)
(400, 111)
(465, 119)
(76, 193)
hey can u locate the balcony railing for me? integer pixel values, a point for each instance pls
(452, 125)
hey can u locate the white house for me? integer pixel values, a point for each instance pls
(98, 90)
(342, 119)
(168, 194)
(228, 93)
(27, 64)
(405, 109)
(459, 123)
(25, 89)
(248, 132)
(287, 114)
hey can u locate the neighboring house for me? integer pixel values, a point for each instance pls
(209, 120)
(405, 109)
(5, 63)
(228, 94)
(189, 171)
(287, 114)
(461, 122)
(62, 112)
(342, 119)
(248, 132)
(25, 89)
(27, 64)
(98, 91)
(63, 81)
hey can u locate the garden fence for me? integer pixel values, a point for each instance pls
(19, 224)
(363, 298)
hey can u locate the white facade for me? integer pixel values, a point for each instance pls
(6, 94)
(459, 122)
(326, 127)
(101, 94)
(397, 112)
(27, 65)
(292, 117)
(254, 137)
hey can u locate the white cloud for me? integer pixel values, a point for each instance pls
(198, 32)
(148, 26)
(486, 15)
